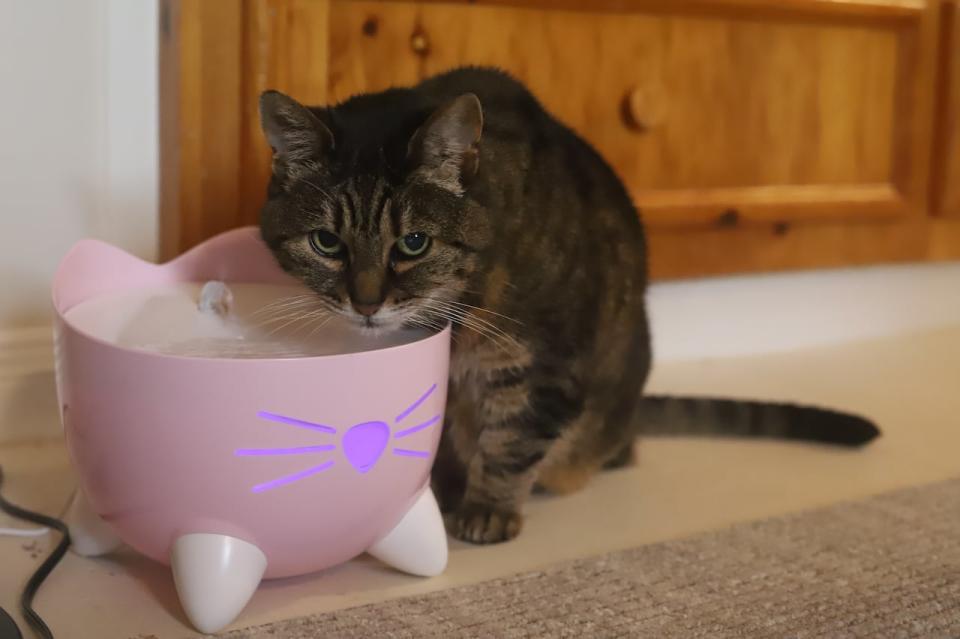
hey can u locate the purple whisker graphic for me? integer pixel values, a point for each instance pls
(288, 479)
(403, 452)
(414, 405)
(413, 429)
(296, 450)
(362, 444)
(295, 422)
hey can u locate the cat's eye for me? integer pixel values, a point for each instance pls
(326, 243)
(413, 244)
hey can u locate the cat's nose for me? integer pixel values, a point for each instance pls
(366, 309)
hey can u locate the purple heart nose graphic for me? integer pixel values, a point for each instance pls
(364, 443)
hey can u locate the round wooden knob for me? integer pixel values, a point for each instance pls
(420, 43)
(642, 109)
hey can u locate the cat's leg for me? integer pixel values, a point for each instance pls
(519, 424)
(567, 476)
(500, 478)
(571, 464)
(595, 442)
(215, 577)
(605, 434)
(90, 535)
(624, 457)
(449, 474)
(418, 544)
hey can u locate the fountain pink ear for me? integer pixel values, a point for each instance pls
(93, 268)
(235, 256)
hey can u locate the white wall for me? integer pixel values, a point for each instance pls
(78, 158)
(78, 139)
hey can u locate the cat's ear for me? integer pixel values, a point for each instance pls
(298, 138)
(445, 149)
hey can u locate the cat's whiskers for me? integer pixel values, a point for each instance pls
(429, 324)
(310, 318)
(280, 319)
(283, 303)
(296, 318)
(448, 307)
(497, 336)
(467, 322)
(498, 342)
(285, 299)
(293, 313)
(324, 321)
(484, 310)
(273, 314)
(286, 304)
(425, 322)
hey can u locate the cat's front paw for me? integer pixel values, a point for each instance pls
(484, 524)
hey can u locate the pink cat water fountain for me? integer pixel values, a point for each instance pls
(235, 469)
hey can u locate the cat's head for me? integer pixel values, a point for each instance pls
(381, 226)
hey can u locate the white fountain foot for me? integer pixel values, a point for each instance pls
(418, 544)
(90, 536)
(215, 577)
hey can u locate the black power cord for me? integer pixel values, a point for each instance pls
(8, 628)
(33, 584)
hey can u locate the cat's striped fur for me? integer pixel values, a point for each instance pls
(538, 257)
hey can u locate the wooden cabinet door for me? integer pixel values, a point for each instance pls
(709, 117)
(753, 134)
(946, 163)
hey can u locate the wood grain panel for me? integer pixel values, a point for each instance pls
(696, 252)
(758, 135)
(285, 49)
(946, 158)
(203, 42)
(730, 107)
(217, 56)
(769, 204)
(914, 107)
(883, 9)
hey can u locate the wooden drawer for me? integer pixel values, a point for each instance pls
(710, 117)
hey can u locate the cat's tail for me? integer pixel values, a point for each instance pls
(703, 416)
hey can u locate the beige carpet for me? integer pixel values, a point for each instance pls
(888, 566)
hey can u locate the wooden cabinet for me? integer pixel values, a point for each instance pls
(946, 162)
(703, 116)
(753, 134)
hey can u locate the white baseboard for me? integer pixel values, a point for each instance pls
(28, 401)
(759, 314)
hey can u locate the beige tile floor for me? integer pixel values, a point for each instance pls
(910, 384)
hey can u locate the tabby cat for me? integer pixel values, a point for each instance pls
(462, 200)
